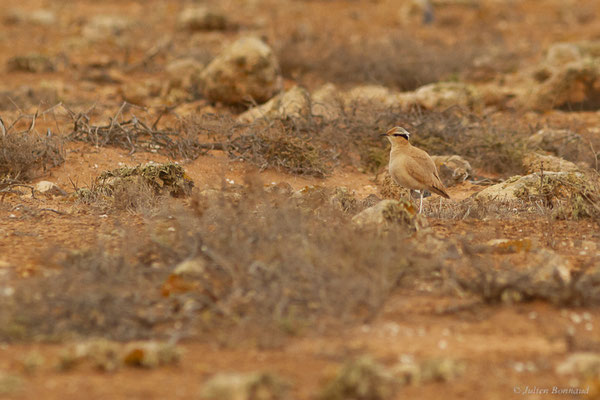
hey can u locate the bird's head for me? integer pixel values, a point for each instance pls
(397, 135)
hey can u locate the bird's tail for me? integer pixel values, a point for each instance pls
(440, 191)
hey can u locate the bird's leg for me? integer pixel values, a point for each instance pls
(421, 203)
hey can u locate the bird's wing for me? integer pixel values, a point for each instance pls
(422, 167)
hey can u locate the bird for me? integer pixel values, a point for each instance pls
(412, 167)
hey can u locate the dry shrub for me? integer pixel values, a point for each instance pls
(271, 264)
(24, 155)
(95, 293)
(281, 147)
(401, 62)
(135, 134)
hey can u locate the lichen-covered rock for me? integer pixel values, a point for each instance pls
(559, 54)
(200, 18)
(295, 103)
(390, 212)
(245, 71)
(574, 86)
(372, 95)
(361, 379)
(561, 142)
(35, 17)
(534, 162)
(150, 354)
(49, 188)
(168, 178)
(585, 364)
(327, 102)
(109, 356)
(441, 370)
(571, 195)
(508, 246)
(249, 386)
(442, 95)
(182, 72)
(101, 27)
(452, 169)
(529, 186)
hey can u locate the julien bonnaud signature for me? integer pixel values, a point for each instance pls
(550, 390)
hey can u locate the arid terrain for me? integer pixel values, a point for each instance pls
(195, 203)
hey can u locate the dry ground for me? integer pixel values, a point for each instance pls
(503, 346)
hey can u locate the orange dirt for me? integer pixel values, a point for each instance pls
(492, 340)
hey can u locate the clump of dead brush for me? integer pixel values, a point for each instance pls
(372, 62)
(134, 134)
(281, 147)
(265, 263)
(24, 154)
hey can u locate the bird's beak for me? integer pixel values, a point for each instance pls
(383, 134)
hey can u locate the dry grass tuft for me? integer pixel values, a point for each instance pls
(24, 155)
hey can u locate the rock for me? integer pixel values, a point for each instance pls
(101, 353)
(327, 102)
(559, 54)
(150, 354)
(249, 386)
(182, 71)
(508, 246)
(109, 356)
(441, 370)
(344, 200)
(586, 364)
(528, 186)
(167, 178)
(372, 95)
(245, 71)
(49, 188)
(442, 95)
(293, 104)
(452, 169)
(363, 378)
(34, 63)
(101, 27)
(562, 142)
(140, 92)
(549, 266)
(194, 267)
(389, 212)
(35, 17)
(201, 19)
(574, 86)
(281, 188)
(534, 162)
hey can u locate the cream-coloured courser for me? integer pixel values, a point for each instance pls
(411, 167)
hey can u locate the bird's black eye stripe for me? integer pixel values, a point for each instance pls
(404, 135)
